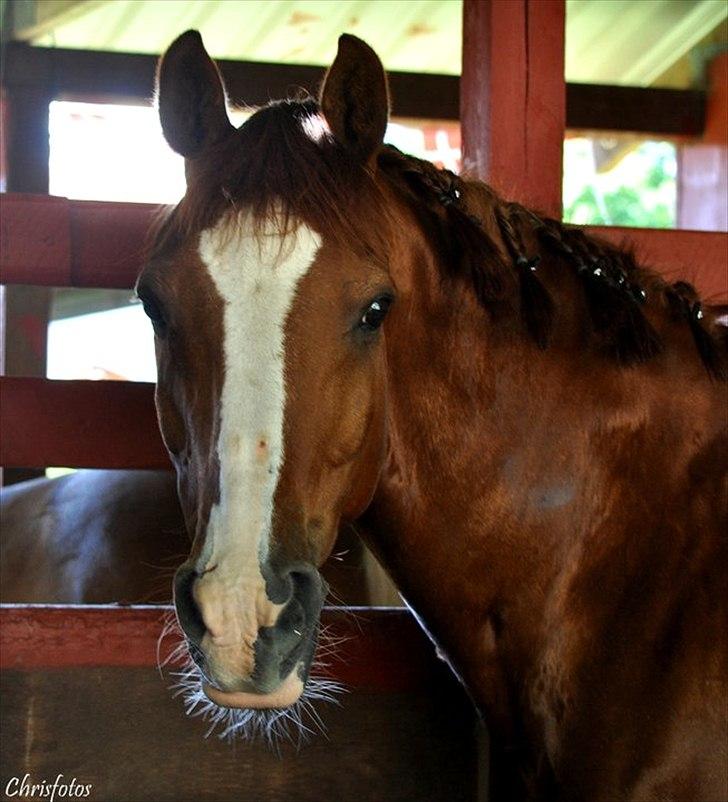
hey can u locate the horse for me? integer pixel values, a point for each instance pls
(526, 425)
(117, 537)
(91, 537)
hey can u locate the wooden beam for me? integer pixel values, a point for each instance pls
(83, 243)
(702, 181)
(130, 76)
(385, 648)
(79, 424)
(512, 100)
(103, 74)
(87, 681)
(652, 111)
(25, 310)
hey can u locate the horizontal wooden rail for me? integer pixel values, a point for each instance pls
(652, 111)
(56, 242)
(89, 424)
(96, 74)
(381, 649)
(52, 241)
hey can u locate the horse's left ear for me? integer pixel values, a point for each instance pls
(355, 98)
(191, 97)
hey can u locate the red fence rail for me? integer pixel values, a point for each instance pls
(79, 424)
(386, 649)
(82, 698)
(58, 242)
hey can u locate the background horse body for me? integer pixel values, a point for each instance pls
(91, 537)
(536, 449)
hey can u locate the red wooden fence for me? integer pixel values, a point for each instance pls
(56, 242)
(79, 424)
(385, 649)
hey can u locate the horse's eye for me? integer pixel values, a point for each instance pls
(375, 313)
(153, 311)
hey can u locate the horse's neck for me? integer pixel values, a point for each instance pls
(478, 498)
(503, 462)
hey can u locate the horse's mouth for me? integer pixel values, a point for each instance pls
(284, 696)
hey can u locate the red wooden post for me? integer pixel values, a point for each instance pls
(513, 98)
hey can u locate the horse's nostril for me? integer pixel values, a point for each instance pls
(305, 600)
(188, 614)
(305, 578)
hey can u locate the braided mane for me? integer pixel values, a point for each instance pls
(616, 289)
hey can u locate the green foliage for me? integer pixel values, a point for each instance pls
(640, 191)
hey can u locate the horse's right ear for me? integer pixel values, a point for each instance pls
(191, 97)
(355, 98)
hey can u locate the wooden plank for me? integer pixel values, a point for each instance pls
(654, 111)
(51, 241)
(404, 729)
(512, 101)
(130, 76)
(35, 245)
(107, 242)
(384, 648)
(87, 73)
(696, 256)
(90, 424)
(121, 731)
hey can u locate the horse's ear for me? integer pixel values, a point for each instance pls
(191, 97)
(355, 98)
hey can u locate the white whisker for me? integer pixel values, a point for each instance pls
(295, 724)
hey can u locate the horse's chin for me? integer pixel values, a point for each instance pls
(284, 696)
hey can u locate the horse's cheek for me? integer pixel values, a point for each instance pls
(365, 469)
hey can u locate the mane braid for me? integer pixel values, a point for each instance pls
(610, 277)
(469, 252)
(537, 306)
(685, 304)
(613, 298)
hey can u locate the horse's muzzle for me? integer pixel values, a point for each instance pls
(276, 672)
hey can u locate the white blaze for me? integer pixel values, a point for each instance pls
(256, 275)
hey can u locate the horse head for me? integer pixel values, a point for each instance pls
(268, 289)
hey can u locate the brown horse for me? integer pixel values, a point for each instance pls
(91, 537)
(528, 426)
